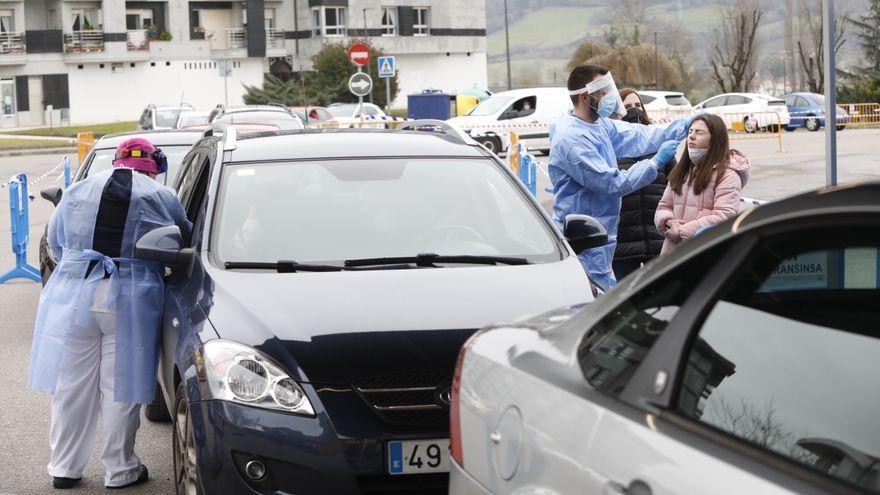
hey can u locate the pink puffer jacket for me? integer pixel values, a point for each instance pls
(715, 204)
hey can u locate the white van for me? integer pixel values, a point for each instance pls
(492, 121)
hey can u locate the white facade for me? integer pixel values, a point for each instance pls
(105, 60)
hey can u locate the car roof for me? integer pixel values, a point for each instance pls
(660, 93)
(349, 143)
(531, 91)
(175, 107)
(256, 108)
(171, 137)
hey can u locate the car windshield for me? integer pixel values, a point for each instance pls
(326, 212)
(677, 100)
(282, 120)
(192, 119)
(103, 160)
(347, 110)
(167, 118)
(818, 99)
(490, 106)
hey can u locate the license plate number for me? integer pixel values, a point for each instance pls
(418, 456)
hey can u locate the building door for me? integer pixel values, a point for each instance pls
(7, 102)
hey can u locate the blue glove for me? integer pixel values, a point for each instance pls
(666, 153)
(607, 106)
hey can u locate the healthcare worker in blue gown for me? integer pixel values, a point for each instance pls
(96, 338)
(584, 146)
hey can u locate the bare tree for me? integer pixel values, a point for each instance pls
(631, 65)
(734, 56)
(630, 20)
(810, 49)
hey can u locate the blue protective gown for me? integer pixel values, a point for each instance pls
(136, 286)
(586, 180)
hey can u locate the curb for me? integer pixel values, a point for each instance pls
(36, 151)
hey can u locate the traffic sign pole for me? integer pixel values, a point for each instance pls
(387, 94)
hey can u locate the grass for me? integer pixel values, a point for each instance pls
(8, 144)
(72, 131)
(546, 28)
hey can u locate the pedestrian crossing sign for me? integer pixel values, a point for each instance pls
(387, 67)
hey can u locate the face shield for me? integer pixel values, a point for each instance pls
(605, 92)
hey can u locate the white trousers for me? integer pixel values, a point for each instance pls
(86, 378)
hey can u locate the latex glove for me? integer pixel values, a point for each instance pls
(665, 153)
(607, 106)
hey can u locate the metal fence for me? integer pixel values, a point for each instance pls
(84, 41)
(860, 115)
(12, 43)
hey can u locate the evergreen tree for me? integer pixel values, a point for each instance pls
(868, 26)
(274, 90)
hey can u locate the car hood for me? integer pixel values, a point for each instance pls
(465, 121)
(330, 327)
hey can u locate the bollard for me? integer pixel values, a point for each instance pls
(513, 153)
(18, 214)
(84, 143)
(528, 168)
(66, 172)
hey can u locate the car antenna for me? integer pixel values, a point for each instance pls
(180, 106)
(302, 82)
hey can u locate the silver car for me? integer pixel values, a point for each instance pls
(746, 361)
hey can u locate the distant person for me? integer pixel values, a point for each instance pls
(704, 188)
(98, 325)
(585, 143)
(637, 238)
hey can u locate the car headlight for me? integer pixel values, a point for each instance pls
(238, 373)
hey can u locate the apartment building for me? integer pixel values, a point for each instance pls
(98, 61)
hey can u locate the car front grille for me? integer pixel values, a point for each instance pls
(413, 399)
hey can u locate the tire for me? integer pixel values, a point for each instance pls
(790, 128)
(774, 128)
(489, 144)
(186, 467)
(812, 124)
(157, 412)
(841, 127)
(750, 126)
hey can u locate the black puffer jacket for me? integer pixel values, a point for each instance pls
(637, 238)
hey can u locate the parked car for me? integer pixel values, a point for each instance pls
(666, 105)
(748, 112)
(491, 121)
(313, 321)
(364, 115)
(808, 110)
(191, 118)
(745, 361)
(174, 143)
(157, 118)
(316, 115)
(277, 115)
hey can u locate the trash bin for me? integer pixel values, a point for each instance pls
(465, 103)
(431, 105)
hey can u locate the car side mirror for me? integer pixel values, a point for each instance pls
(52, 194)
(584, 232)
(165, 245)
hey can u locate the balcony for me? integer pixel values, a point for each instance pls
(274, 38)
(12, 43)
(235, 39)
(138, 40)
(91, 41)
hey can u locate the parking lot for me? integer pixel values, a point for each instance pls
(24, 417)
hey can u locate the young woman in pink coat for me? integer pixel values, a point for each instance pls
(704, 188)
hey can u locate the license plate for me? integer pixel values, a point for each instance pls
(418, 456)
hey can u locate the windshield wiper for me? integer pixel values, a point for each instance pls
(428, 260)
(282, 266)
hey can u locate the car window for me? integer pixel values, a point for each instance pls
(801, 102)
(370, 110)
(344, 110)
(647, 98)
(522, 107)
(677, 101)
(790, 100)
(715, 102)
(737, 100)
(103, 160)
(613, 349)
(167, 118)
(490, 106)
(145, 119)
(379, 208)
(187, 181)
(787, 359)
(283, 120)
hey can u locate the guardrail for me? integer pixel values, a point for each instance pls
(84, 41)
(138, 40)
(12, 42)
(236, 38)
(860, 114)
(274, 38)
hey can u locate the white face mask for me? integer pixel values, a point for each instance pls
(696, 154)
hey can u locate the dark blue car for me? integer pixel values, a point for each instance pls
(314, 318)
(808, 110)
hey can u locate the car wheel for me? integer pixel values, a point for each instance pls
(490, 144)
(812, 124)
(157, 412)
(186, 469)
(790, 128)
(841, 127)
(774, 128)
(751, 126)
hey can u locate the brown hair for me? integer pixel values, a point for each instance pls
(582, 75)
(629, 91)
(718, 156)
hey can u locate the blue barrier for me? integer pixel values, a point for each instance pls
(18, 214)
(528, 170)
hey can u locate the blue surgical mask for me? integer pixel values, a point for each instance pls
(696, 154)
(607, 106)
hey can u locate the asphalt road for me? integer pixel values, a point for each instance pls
(24, 414)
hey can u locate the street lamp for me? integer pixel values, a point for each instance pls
(507, 45)
(369, 62)
(656, 62)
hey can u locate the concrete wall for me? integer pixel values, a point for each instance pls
(453, 73)
(199, 81)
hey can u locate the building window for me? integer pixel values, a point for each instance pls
(7, 21)
(328, 21)
(389, 21)
(421, 24)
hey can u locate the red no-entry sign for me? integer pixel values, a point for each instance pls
(359, 54)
